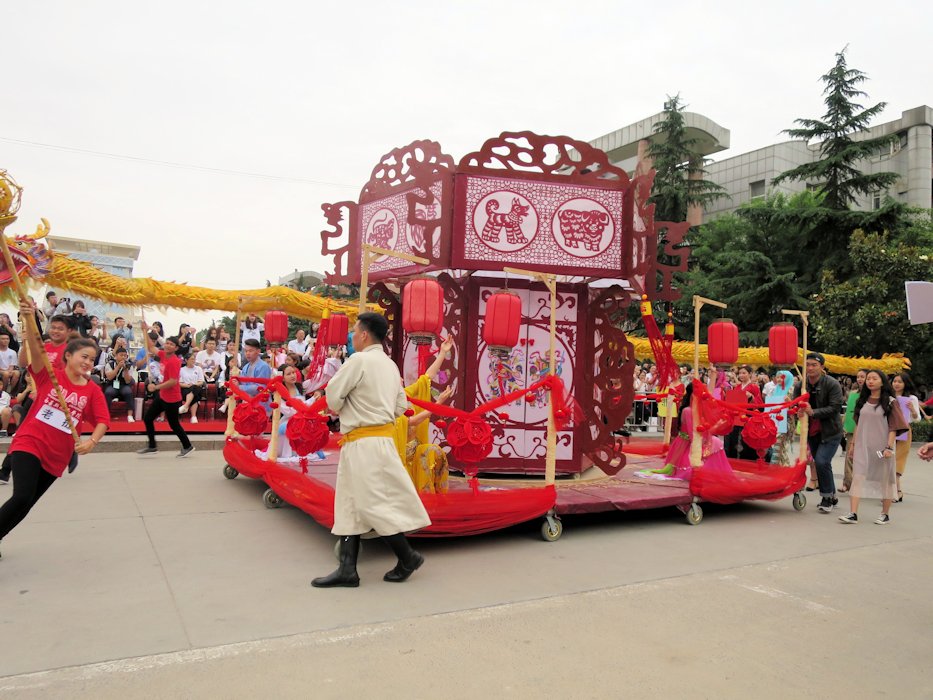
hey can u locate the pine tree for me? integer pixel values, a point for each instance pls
(678, 167)
(836, 171)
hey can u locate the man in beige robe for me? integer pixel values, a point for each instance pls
(374, 491)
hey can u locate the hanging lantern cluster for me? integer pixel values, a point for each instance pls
(723, 342)
(502, 323)
(275, 325)
(782, 344)
(338, 328)
(423, 310)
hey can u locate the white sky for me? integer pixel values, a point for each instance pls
(314, 92)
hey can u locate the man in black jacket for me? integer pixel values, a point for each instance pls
(825, 430)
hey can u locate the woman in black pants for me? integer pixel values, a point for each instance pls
(43, 445)
(168, 400)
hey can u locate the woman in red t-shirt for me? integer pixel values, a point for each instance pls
(43, 444)
(168, 400)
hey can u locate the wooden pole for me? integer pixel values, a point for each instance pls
(549, 281)
(804, 419)
(370, 253)
(30, 323)
(273, 450)
(696, 446)
(234, 370)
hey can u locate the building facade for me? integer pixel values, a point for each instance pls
(115, 258)
(749, 176)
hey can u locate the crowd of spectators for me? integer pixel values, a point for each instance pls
(124, 367)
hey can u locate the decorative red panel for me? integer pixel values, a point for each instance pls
(563, 227)
(520, 438)
(609, 373)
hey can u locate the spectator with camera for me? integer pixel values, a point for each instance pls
(122, 330)
(56, 307)
(118, 380)
(82, 321)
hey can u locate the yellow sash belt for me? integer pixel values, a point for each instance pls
(368, 431)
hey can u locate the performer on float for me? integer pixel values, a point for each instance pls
(411, 433)
(677, 462)
(284, 452)
(373, 490)
(43, 444)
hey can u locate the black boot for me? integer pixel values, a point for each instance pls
(345, 575)
(408, 559)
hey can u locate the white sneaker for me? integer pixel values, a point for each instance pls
(194, 418)
(183, 409)
(883, 519)
(223, 408)
(130, 419)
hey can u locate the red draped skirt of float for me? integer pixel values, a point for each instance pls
(461, 511)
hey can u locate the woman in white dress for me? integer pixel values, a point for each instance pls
(878, 421)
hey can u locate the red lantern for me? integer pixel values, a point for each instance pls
(723, 348)
(782, 344)
(502, 323)
(275, 327)
(423, 310)
(338, 327)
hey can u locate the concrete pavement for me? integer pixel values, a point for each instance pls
(156, 577)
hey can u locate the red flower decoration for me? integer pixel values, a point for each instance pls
(306, 434)
(249, 418)
(503, 416)
(442, 424)
(759, 432)
(470, 439)
(410, 412)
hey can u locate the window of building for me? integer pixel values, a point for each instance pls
(756, 189)
(876, 200)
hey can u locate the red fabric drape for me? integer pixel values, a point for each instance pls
(454, 514)
(748, 480)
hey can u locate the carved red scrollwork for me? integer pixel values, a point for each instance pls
(454, 313)
(339, 243)
(545, 156)
(391, 307)
(418, 163)
(610, 376)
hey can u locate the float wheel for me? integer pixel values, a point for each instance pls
(694, 514)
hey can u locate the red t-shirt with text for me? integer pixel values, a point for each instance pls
(171, 369)
(56, 354)
(45, 432)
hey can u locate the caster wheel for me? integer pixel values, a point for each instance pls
(270, 499)
(799, 501)
(552, 530)
(230, 472)
(694, 515)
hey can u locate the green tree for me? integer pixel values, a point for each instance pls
(749, 264)
(678, 181)
(866, 314)
(836, 173)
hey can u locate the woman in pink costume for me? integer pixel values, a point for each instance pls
(677, 462)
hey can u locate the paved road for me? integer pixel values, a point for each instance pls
(158, 578)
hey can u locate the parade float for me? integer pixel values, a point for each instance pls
(528, 254)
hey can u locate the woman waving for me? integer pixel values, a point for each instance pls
(43, 444)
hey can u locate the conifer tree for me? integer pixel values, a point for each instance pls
(836, 172)
(678, 181)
